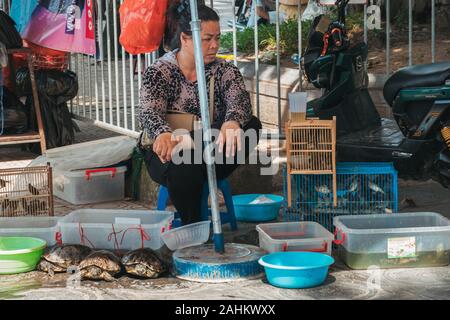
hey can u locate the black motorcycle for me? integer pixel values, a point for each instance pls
(417, 141)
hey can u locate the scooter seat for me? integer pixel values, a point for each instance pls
(422, 75)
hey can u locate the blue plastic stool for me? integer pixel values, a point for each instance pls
(225, 217)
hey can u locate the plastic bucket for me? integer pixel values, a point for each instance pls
(295, 270)
(245, 211)
(20, 254)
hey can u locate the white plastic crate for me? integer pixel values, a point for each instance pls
(90, 185)
(115, 229)
(417, 239)
(295, 236)
(45, 228)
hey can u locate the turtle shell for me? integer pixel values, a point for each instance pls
(100, 265)
(64, 256)
(143, 263)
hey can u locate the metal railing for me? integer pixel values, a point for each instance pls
(5, 5)
(109, 82)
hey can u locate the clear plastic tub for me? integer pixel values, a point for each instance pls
(295, 236)
(116, 229)
(45, 228)
(187, 236)
(90, 185)
(419, 239)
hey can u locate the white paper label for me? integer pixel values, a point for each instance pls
(402, 248)
(134, 221)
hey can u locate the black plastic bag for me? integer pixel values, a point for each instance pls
(55, 89)
(15, 114)
(58, 85)
(8, 32)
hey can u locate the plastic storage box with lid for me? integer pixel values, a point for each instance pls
(45, 228)
(420, 239)
(90, 185)
(295, 236)
(116, 229)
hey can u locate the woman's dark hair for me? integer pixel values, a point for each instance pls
(178, 19)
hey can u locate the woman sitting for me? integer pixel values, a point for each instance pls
(170, 85)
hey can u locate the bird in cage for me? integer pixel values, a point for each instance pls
(3, 183)
(353, 186)
(36, 206)
(33, 190)
(324, 195)
(323, 189)
(375, 188)
(10, 205)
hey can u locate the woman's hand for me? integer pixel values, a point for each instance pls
(164, 145)
(230, 135)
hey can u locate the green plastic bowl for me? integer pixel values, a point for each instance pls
(20, 254)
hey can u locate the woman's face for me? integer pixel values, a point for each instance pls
(210, 35)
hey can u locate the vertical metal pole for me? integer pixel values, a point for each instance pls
(133, 121)
(278, 65)
(124, 84)
(78, 93)
(139, 67)
(116, 62)
(211, 4)
(433, 30)
(70, 68)
(147, 60)
(410, 34)
(83, 63)
(201, 80)
(102, 58)
(108, 45)
(365, 23)
(97, 31)
(388, 37)
(89, 86)
(233, 7)
(300, 46)
(258, 108)
(97, 113)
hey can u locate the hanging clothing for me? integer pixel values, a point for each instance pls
(21, 12)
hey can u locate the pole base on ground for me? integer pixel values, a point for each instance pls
(203, 264)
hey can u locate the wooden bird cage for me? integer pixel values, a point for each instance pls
(311, 149)
(26, 192)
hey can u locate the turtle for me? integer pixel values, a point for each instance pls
(61, 257)
(143, 263)
(100, 265)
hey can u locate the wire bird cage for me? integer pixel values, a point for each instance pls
(26, 191)
(311, 149)
(362, 188)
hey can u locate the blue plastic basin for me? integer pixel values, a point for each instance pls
(295, 270)
(245, 211)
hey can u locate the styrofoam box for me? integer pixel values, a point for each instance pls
(44, 228)
(90, 185)
(295, 236)
(115, 229)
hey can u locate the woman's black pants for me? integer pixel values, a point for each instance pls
(185, 180)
